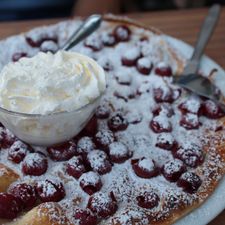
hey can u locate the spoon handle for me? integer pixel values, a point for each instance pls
(85, 29)
(206, 31)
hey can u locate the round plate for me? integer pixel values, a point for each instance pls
(214, 204)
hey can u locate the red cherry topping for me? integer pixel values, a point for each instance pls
(85, 145)
(98, 161)
(164, 109)
(131, 56)
(164, 94)
(94, 42)
(34, 164)
(123, 78)
(119, 152)
(160, 124)
(49, 46)
(166, 141)
(26, 193)
(125, 93)
(9, 206)
(173, 169)
(50, 191)
(37, 43)
(103, 111)
(162, 69)
(189, 121)
(144, 66)
(17, 151)
(75, 167)
(85, 217)
(6, 138)
(62, 152)
(108, 40)
(134, 117)
(211, 110)
(191, 154)
(90, 182)
(190, 182)
(102, 205)
(144, 167)
(18, 55)
(191, 105)
(91, 127)
(122, 33)
(148, 200)
(104, 138)
(117, 122)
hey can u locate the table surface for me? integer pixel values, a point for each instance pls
(182, 24)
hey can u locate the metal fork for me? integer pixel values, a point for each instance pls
(190, 79)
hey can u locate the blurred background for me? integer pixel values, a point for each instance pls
(36, 9)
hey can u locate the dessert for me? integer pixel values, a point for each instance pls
(152, 152)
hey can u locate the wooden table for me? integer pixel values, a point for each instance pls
(182, 24)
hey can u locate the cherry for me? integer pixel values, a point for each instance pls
(191, 105)
(189, 121)
(192, 155)
(122, 33)
(125, 93)
(91, 127)
(62, 152)
(144, 167)
(108, 39)
(160, 124)
(148, 200)
(85, 145)
(85, 217)
(75, 167)
(162, 69)
(90, 182)
(104, 138)
(103, 111)
(50, 191)
(17, 151)
(190, 182)
(18, 55)
(211, 110)
(37, 43)
(102, 205)
(164, 94)
(164, 109)
(144, 66)
(6, 138)
(49, 46)
(123, 78)
(34, 164)
(119, 152)
(98, 161)
(117, 122)
(134, 117)
(93, 42)
(130, 57)
(26, 193)
(9, 206)
(166, 141)
(173, 169)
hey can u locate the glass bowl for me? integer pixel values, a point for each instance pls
(46, 130)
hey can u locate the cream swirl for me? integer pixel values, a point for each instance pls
(49, 83)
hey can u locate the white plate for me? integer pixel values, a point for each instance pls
(215, 203)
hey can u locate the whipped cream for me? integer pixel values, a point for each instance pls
(49, 83)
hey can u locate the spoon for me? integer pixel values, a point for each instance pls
(91, 24)
(190, 78)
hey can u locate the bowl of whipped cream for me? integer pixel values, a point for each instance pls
(49, 98)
